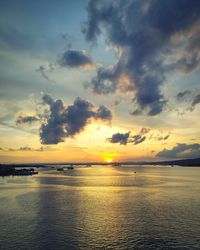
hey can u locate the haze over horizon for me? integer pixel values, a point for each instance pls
(99, 81)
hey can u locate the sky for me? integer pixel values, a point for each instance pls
(99, 80)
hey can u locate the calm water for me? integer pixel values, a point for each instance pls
(102, 207)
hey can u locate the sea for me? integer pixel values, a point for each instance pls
(101, 207)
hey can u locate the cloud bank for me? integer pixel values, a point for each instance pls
(153, 38)
(181, 150)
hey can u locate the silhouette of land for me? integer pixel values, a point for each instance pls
(28, 169)
(185, 162)
(9, 170)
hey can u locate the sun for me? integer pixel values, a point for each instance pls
(109, 157)
(108, 160)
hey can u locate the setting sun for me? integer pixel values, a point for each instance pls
(109, 157)
(108, 160)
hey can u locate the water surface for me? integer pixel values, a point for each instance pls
(101, 207)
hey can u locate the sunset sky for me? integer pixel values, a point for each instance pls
(104, 80)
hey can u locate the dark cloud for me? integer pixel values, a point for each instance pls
(26, 119)
(163, 138)
(137, 139)
(182, 96)
(75, 59)
(120, 138)
(147, 34)
(181, 150)
(68, 121)
(103, 113)
(195, 101)
(105, 81)
(126, 138)
(47, 99)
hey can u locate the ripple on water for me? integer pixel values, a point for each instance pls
(156, 209)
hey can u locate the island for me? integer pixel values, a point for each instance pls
(12, 171)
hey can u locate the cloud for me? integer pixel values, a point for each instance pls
(66, 121)
(137, 139)
(163, 138)
(75, 59)
(43, 70)
(40, 149)
(181, 150)
(195, 101)
(26, 119)
(146, 34)
(26, 148)
(188, 96)
(182, 96)
(103, 113)
(120, 138)
(159, 137)
(126, 138)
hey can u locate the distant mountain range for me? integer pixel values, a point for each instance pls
(186, 162)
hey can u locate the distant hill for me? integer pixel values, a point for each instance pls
(186, 162)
